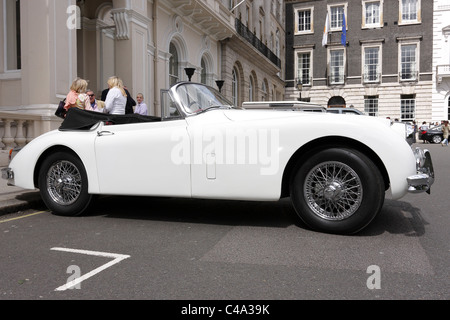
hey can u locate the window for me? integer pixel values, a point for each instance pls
(277, 43)
(372, 14)
(230, 4)
(250, 89)
(409, 11)
(337, 64)
(247, 16)
(336, 13)
(448, 109)
(408, 62)
(371, 105)
(173, 65)
(304, 65)
(12, 34)
(234, 87)
(204, 72)
(371, 67)
(264, 91)
(407, 107)
(304, 20)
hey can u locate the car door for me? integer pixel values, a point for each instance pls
(143, 159)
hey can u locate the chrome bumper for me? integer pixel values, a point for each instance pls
(424, 178)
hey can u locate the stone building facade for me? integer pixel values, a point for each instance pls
(148, 43)
(441, 61)
(383, 66)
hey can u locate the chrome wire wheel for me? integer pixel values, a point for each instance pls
(333, 190)
(64, 182)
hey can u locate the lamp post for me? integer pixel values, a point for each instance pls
(189, 72)
(219, 84)
(299, 88)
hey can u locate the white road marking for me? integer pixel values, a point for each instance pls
(117, 259)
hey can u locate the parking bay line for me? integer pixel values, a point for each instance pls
(117, 259)
(22, 217)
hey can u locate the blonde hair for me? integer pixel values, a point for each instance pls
(115, 81)
(79, 85)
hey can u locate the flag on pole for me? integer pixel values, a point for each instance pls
(326, 29)
(344, 31)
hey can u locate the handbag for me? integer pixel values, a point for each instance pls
(61, 111)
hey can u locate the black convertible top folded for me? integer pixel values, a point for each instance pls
(77, 119)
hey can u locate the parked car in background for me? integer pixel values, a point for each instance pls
(335, 170)
(344, 111)
(284, 106)
(433, 135)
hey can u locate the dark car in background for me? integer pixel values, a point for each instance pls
(433, 135)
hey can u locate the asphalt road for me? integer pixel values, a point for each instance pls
(182, 249)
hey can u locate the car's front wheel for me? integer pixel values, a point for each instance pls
(63, 184)
(337, 191)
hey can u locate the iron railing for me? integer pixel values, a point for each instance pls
(244, 32)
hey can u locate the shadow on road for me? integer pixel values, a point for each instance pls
(396, 217)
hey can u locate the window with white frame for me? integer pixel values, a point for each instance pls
(409, 11)
(304, 20)
(409, 62)
(372, 14)
(336, 13)
(371, 64)
(407, 107)
(337, 66)
(304, 67)
(371, 105)
(11, 21)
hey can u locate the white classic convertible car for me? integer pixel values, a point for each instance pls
(336, 169)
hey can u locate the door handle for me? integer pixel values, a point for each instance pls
(104, 133)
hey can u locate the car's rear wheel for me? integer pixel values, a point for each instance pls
(437, 139)
(337, 191)
(63, 184)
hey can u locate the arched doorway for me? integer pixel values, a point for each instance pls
(336, 101)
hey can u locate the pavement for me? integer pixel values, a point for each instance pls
(14, 199)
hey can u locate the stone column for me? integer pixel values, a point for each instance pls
(132, 39)
(49, 55)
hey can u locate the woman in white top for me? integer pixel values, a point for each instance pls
(117, 98)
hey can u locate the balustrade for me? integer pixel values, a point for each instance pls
(18, 129)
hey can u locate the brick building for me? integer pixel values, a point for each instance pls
(383, 66)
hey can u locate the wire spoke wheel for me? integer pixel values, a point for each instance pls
(64, 182)
(333, 190)
(337, 190)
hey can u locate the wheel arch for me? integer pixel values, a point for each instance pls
(324, 143)
(42, 157)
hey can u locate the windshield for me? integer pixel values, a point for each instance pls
(195, 98)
